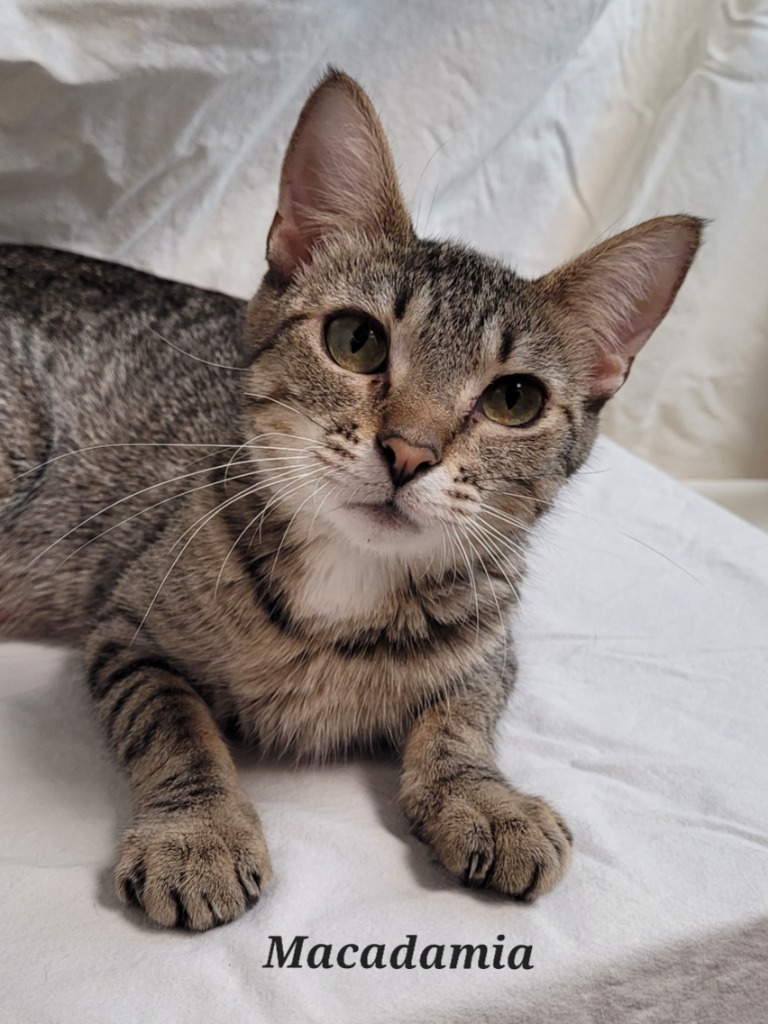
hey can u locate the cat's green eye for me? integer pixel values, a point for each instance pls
(356, 342)
(513, 401)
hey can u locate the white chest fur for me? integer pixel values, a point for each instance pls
(340, 583)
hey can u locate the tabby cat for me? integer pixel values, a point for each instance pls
(302, 523)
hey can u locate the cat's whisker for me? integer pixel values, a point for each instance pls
(293, 436)
(144, 490)
(142, 511)
(191, 355)
(443, 553)
(309, 497)
(277, 433)
(525, 498)
(509, 545)
(472, 582)
(280, 495)
(260, 485)
(260, 461)
(564, 508)
(493, 540)
(203, 521)
(288, 482)
(473, 532)
(120, 444)
(121, 501)
(417, 191)
(285, 405)
(502, 538)
(317, 511)
(517, 524)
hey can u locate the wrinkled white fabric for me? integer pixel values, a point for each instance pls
(152, 134)
(640, 712)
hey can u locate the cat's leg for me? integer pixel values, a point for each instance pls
(194, 854)
(483, 830)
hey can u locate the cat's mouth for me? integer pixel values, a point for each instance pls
(384, 513)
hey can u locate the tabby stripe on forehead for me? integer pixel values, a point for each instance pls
(507, 341)
(401, 302)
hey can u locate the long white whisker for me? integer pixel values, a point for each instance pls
(287, 482)
(148, 508)
(203, 521)
(120, 444)
(472, 583)
(470, 527)
(494, 543)
(502, 538)
(120, 501)
(290, 524)
(317, 510)
(290, 408)
(280, 495)
(276, 433)
(191, 355)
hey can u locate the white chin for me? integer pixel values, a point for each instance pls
(376, 528)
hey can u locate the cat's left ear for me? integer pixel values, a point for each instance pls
(338, 176)
(614, 296)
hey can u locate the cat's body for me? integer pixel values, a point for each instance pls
(363, 467)
(61, 373)
(305, 650)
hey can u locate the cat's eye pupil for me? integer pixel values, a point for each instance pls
(513, 392)
(360, 337)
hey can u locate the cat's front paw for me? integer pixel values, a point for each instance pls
(194, 870)
(488, 834)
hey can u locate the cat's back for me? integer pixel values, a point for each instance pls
(60, 311)
(111, 380)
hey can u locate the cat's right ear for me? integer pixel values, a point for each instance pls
(338, 177)
(614, 296)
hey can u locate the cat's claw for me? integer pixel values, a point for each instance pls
(194, 871)
(491, 835)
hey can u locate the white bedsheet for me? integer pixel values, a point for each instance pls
(640, 712)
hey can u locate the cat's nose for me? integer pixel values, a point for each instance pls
(406, 459)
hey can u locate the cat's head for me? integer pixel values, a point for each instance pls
(414, 397)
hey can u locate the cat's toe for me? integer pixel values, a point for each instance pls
(532, 850)
(495, 837)
(193, 871)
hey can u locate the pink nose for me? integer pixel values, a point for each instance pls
(406, 459)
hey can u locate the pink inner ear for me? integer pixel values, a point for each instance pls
(287, 246)
(625, 288)
(608, 374)
(337, 176)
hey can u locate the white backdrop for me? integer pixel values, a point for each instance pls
(151, 133)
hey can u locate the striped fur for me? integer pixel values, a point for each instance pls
(193, 491)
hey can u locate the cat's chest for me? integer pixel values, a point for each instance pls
(349, 654)
(337, 587)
